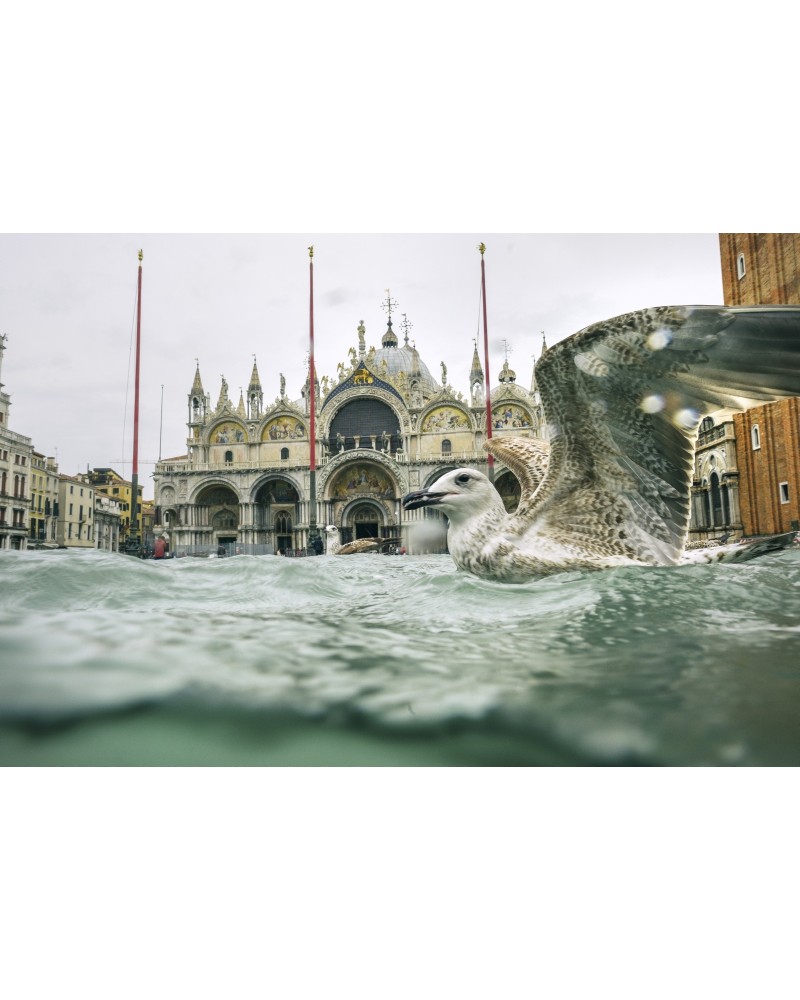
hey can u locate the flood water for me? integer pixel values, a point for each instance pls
(373, 660)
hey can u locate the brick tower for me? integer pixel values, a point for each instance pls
(764, 269)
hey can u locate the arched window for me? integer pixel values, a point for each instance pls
(707, 425)
(755, 437)
(283, 523)
(229, 458)
(716, 500)
(447, 447)
(740, 268)
(284, 453)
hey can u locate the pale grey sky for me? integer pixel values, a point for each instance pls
(69, 305)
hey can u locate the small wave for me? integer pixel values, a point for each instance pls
(629, 665)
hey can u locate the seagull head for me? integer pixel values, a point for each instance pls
(331, 529)
(461, 494)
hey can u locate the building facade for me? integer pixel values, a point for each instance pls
(715, 505)
(16, 452)
(107, 518)
(112, 484)
(75, 522)
(384, 426)
(44, 501)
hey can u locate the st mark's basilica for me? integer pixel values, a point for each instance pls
(384, 426)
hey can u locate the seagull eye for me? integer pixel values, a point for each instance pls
(462, 479)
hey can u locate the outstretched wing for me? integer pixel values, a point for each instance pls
(623, 400)
(527, 458)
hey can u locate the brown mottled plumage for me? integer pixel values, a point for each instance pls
(623, 400)
(359, 545)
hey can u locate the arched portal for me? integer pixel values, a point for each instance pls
(507, 485)
(221, 513)
(365, 518)
(276, 513)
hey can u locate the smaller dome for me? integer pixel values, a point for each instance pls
(403, 359)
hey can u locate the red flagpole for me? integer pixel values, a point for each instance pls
(490, 457)
(135, 476)
(312, 457)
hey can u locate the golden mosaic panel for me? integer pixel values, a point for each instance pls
(445, 418)
(283, 429)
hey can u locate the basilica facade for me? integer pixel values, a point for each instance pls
(383, 427)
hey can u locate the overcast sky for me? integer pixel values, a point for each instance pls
(69, 309)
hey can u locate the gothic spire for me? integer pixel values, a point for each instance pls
(197, 385)
(255, 394)
(476, 371)
(223, 395)
(255, 381)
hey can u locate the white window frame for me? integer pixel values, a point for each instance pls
(741, 269)
(783, 492)
(755, 437)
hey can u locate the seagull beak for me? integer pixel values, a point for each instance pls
(423, 498)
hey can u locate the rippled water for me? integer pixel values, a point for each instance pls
(389, 660)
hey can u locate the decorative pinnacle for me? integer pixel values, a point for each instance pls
(389, 303)
(482, 248)
(141, 256)
(405, 326)
(311, 251)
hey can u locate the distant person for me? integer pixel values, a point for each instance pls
(318, 546)
(159, 549)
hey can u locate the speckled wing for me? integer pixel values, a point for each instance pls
(359, 545)
(623, 399)
(528, 459)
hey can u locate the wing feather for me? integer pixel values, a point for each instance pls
(527, 458)
(623, 400)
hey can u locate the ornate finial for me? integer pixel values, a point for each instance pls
(507, 350)
(405, 326)
(311, 251)
(388, 303)
(482, 248)
(141, 256)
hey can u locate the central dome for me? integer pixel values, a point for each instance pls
(404, 359)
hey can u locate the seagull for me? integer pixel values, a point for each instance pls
(623, 400)
(333, 544)
(335, 547)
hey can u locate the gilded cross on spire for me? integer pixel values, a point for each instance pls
(405, 326)
(389, 303)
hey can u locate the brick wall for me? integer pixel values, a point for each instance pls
(771, 265)
(762, 470)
